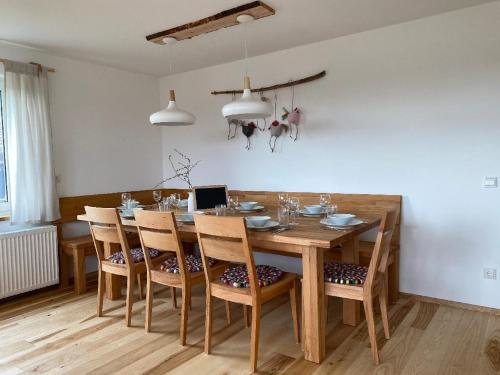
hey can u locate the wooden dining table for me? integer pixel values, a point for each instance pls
(308, 240)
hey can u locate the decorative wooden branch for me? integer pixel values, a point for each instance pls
(183, 170)
(275, 87)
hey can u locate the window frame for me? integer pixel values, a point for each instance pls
(4, 204)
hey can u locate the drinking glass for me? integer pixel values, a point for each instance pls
(331, 209)
(283, 199)
(233, 202)
(283, 216)
(294, 206)
(324, 200)
(175, 199)
(126, 197)
(157, 196)
(220, 210)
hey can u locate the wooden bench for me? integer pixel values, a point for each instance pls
(74, 250)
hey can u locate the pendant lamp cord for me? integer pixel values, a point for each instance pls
(245, 32)
(170, 57)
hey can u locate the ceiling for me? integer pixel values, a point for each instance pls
(112, 32)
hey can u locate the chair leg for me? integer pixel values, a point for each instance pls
(383, 297)
(174, 296)
(228, 312)
(186, 297)
(101, 289)
(327, 307)
(208, 323)
(370, 322)
(246, 315)
(140, 286)
(295, 311)
(130, 298)
(254, 349)
(149, 304)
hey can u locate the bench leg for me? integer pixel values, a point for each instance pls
(63, 269)
(79, 272)
(393, 276)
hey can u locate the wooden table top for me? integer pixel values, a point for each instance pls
(309, 232)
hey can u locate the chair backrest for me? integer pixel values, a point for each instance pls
(226, 238)
(158, 230)
(381, 251)
(106, 227)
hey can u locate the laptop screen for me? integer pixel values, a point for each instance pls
(209, 196)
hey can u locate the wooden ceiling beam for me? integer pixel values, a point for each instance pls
(227, 18)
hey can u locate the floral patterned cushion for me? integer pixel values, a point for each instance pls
(341, 273)
(137, 256)
(238, 276)
(193, 263)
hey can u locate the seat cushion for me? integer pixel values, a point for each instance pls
(343, 273)
(237, 277)
(193, 264)
(136, 253)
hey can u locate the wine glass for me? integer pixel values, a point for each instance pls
(175, 199)
(157, 196)
(283, 199)
(233, 202)
(126, 197)
(324, 200)
(294, 206)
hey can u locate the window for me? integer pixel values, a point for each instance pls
(4, 201)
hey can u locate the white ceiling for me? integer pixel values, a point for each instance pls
(112, 32)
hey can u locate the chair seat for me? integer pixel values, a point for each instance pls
(193, 264)
(237, 277)
(136, 253)
(344, 273)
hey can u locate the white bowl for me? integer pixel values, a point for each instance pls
(183, 203)
(248, 205)
(314, 209)
(257, 221)
(340, 219)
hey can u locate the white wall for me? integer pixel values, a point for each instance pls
(412, 109)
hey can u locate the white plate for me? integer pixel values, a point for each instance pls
(306, 213)
(271, 224)
(354, 222)
(256, 208)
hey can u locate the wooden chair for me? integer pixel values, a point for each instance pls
(226, 238)
(372, 280)
(158, 230)
(106, 226)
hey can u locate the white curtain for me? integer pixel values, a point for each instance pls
(32, 191)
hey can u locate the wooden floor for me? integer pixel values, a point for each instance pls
(57, 332)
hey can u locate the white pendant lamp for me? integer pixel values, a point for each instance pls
(172, 115)
(248, 107)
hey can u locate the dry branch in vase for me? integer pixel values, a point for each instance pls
(182, 168)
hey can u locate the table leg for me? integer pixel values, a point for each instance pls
(351, 309)
(313, 294)
(113, 282)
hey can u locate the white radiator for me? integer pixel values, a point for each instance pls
(28, 260)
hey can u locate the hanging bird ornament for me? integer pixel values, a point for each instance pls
(294, 119)
(231, 132)
(276, 130)
(248, 130)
